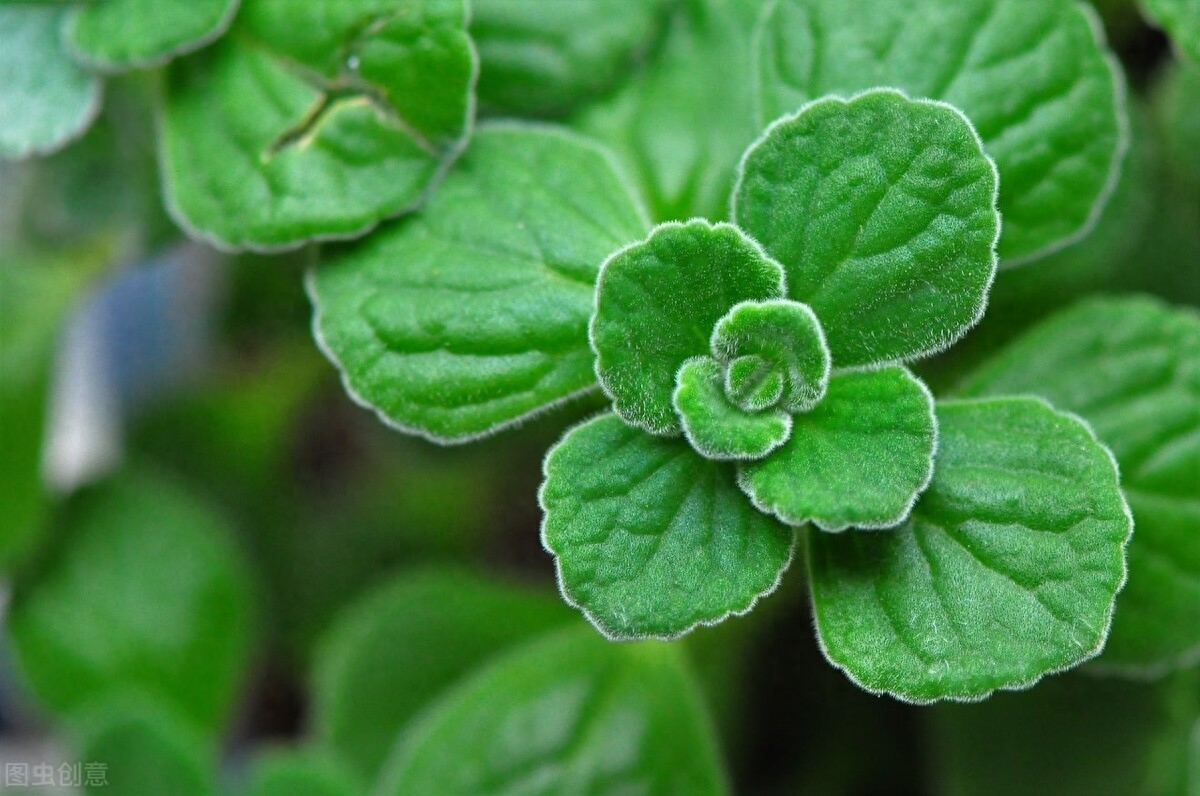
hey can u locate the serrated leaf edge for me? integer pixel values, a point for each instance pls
(597, 622)
(1023, 685)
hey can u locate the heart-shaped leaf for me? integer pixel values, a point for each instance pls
(860, 458)
(1034, 77)
(882, 210)
(46, 99)
(1006, 571)
(316, 120)
(119, 34)
(567, 714)
(715, 427)
(472, 315)
(657, 302)
(1131, 367)
(650, 539)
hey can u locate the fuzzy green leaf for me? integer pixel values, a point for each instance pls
(538, 61)
(1007, 569)
(567, 714)
(473, 314)
(1033, 76)
(46, 99)
(662, 123)
(150, 594)
(1131, 367)
(1181, 20)
(657, 302)
(715, 427)
(316, 120)
(369, 684)
(882, 210)
(753, 384)
(788, 336)
(120, 34)
(860, 458)
(650, 538)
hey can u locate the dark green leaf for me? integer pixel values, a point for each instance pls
(1131, 367)
(1007, 569)
(882, 210)
(650, 538)
(1034, 77)
(472, 315)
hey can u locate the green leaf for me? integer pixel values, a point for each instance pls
(144, 747)
(46, 99)
(786, 334)
(715, 427)
(569, 713)
(860, 458)
(149, 594)
(882, 210)
(1034, 77)
(1181, 20)
(540, 62)
(753, 384)
(657, 302)
(120, 34)
(650, 539)
(472, 315)
(1071, 736)
(316, 120)
(1177, 106)
(662, 124)
(1131, 367)
(395, 649)
(301, 772)
(1006, 571)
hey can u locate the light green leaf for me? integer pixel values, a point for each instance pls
(662, 124)
(567, 714)
(144, 747)
(1006, 571)
(753, 384)
(1181, 20)
(397, 648)
(1131, 367)
(860, 458)
(120, 34)
(542, 61)
(657, 302)
(472, 315)
(1034, 77)
(301, 772)
(882, 210)
(786, 334)
(149, 594)
(46, 99)
(715, 427)
(316, 120)
(650, 539)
